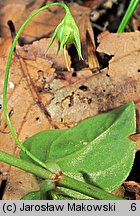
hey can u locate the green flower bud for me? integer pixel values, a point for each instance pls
(67, 33)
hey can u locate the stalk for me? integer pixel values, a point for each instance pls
(25, 165)
(41, 170)
(7, 75)
(87, 189)
(129, 12)
(62, 181)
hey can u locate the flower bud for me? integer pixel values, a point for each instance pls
(67, 33)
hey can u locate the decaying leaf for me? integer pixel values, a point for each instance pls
(38, 49)
(25, 115)
(93, 3)
(112, 87)
(136, 138)
(132, 188)
(21, 185)
(17, 12)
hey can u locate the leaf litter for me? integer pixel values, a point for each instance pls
(53, 98)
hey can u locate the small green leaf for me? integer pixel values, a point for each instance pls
(98, 146)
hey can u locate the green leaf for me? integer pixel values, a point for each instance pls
(98, 147)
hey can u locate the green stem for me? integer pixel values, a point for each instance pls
(64, 181)
(7, 75)
(87, 189)
(129, 12)
(25, 165)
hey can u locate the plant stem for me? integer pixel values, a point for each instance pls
(87, 189)
(7, 75)
(25, 165)
(129, 12)
(64, 181)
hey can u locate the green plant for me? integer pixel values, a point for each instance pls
(87, 161)
(130, 10)
(67, 32)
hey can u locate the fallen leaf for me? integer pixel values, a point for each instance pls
(93, 3)
(66, 103)
(23, 105)
(38, 49)
(134, 188)
(112, 87)
(124, 65)
(17, 186)
(136, 138)
(17, 12)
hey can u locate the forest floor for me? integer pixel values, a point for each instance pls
(43, 95)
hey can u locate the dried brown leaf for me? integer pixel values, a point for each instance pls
(93, 3)
(27, 117)
(136, 138)
(17, 12)
(34, 108)
(133, 187)
(111, 88)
